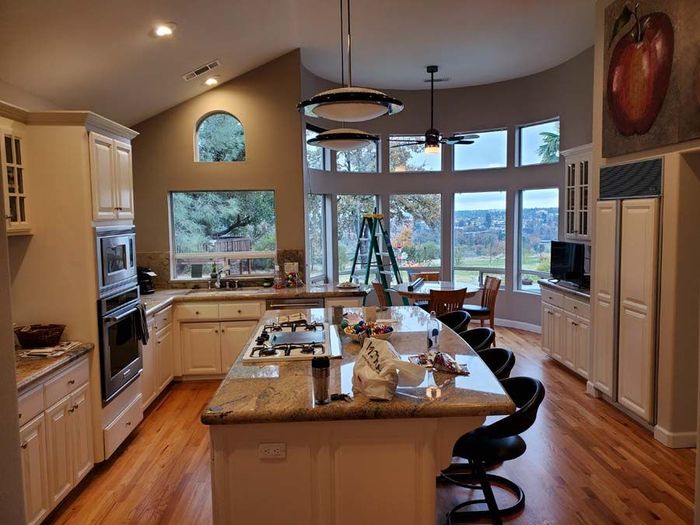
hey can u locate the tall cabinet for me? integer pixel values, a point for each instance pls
(577, 218)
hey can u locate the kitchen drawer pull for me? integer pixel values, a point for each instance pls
(128, 423)
(24, 445)
(71, 410)
(71, 381)
(285, 306)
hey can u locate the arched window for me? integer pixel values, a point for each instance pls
(220, 138)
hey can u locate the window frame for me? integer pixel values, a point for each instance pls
(518, 227)
(418, 136)
(199, 123)
(519, 138)
(323, 276)
(213, 257)
(334, 225)
(479, 132)
(325, 152)
(377, 167)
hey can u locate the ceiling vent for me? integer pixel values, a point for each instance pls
(201, 70)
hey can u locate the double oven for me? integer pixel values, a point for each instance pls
(119, 309)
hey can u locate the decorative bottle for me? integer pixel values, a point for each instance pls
(433, 332)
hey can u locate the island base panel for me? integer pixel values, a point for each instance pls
(334, 472)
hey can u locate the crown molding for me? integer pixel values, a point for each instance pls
(92, 121)
(13, 112)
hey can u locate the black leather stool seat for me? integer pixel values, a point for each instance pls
(477, 309)
(490, 452)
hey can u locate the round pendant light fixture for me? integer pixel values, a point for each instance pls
(343, 139)
(349, 103)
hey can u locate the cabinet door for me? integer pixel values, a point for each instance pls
(234, 336)
(59, 450)
(32, 438)
(123, 180)
(569, 340)
(104, 199)
(557, 334)
(81, 432)
(638, 290)
(604, 296)
(148, 374)
(201, 352)
(164, 358)
(581, 346)
(570, 215)
(14, 183)
(582, 200)
(547, 328)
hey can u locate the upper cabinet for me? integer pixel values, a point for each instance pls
(112, 179)
(14, 184)
(577, 197)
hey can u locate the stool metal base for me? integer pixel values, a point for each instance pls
(482, 481)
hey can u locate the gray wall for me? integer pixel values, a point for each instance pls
(565, 91)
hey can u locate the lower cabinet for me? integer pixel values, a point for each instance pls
(211, 348)
(157, 358)
(566, 331)
(164, 358)
(56, 445)
(234, 335)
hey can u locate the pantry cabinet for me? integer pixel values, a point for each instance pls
(35, 470)
(578, 162)
(112, 178)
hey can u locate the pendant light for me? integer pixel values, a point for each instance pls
(343, 139)
(349, 103)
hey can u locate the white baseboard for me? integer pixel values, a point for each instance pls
(675, 439)
(518, 324)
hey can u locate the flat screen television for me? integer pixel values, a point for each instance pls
(567, 263)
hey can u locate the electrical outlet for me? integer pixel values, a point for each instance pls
(291, 267)
(272, 450)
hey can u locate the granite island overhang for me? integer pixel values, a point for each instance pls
(347, 462)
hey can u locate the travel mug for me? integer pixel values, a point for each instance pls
(321, 374)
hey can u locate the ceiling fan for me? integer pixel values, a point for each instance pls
(433, 139)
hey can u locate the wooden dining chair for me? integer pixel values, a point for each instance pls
(443, 301)
(427, 276)
(487, 308)
(383, 297)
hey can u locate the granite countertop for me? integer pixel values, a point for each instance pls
(569, 289)
(31, 370)
(163, 298)
(283, 392)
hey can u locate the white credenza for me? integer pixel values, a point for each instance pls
(55, 438)
(566, 328)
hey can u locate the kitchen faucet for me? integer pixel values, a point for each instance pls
(218, 273)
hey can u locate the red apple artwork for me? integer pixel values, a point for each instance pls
(640, 70)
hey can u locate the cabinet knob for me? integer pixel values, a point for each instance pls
(128, 423)
(71, 382)
(75, 407)
(196, 313)
(20, 415)
(240, 311)
(24, 445)
(71, 409)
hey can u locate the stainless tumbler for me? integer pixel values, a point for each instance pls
(321, 373)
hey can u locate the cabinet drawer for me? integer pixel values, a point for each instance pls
(576, 307)
(65, 382)
(118, 430)
(242, 310)
(30, 404)
(194, 311)
(553, 298)
(163, 318)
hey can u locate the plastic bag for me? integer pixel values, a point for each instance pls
(379, 369)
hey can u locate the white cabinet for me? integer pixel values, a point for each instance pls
(201, 350)
(14, 183)
(35, 470)
(111, 177)
(638, 297)
(148, 372)
(58, 441)
(234, 335)
(566, 329)
(164, 358)
(157, 357)
(578, 163)
(81, 433)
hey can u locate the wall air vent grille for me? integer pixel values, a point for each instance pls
(629, 181)
(201, 70)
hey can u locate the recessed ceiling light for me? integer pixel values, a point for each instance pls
(163, 30)
(211, 81)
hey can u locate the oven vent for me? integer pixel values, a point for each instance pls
(201, 70)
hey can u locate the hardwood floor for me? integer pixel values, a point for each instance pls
(585, 463)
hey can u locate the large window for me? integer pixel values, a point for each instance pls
(488, 151)
(538, 143)
(316, 156)
(360, 160)
(315, 238)
(220, 138)
(213, 229)
(404, 156)
(479, 236)
(350, 209)
(539, 225)
(416, 231)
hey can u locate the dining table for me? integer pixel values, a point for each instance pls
(422, 291)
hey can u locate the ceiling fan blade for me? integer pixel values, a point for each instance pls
(463, 136)
(453, 142)
(415, 142)
(464, 142)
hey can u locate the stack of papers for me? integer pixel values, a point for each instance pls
(51, 351)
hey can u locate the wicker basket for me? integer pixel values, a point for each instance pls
(39, 335)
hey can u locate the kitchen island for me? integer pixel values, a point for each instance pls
(279, 458)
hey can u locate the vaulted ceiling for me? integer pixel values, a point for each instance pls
(98, 55)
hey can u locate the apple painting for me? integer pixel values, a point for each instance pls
(640, 70)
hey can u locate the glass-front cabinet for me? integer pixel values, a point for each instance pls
(577, 193)
(14, 184)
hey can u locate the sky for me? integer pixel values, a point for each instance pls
(489, 151)
(496, 200)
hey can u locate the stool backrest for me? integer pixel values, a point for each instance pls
(527, 393)
(479, 338)
(457, 320)
(499, 360)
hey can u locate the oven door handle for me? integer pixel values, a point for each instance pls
(289, 306)
(117, 318)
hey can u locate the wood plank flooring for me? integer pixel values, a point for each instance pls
(586, 462)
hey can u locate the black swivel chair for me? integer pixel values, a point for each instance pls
(457, 320)
(491, 445)
(499, 360)
(479, 338)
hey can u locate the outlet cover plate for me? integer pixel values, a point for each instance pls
(272, 450)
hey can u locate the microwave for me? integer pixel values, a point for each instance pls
(116, 257)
